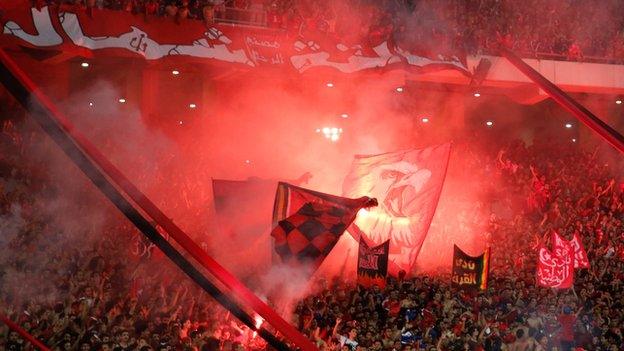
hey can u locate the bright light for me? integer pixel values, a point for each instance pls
(247, 161)
(399, 89)
(175, 72)
(344, 115)
(122, 100)
(330, 84)
(477, 94)
(91, 104)
(619, 102)
(489, 123)
(180, 122)
(425, 120)
(192, 105)
(331, 133)
(568, 125)
(574, 140)
(84, 64)
(363, 212)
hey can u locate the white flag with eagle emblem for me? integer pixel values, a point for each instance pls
(407, 185)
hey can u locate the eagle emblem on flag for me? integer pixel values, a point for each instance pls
(407, 185)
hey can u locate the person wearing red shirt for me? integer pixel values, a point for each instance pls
(566, 333)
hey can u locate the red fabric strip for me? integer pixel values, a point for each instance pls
(16, 328)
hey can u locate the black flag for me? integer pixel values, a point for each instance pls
(373, 264)
(470, 273)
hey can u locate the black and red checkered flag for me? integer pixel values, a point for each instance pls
(308, 235)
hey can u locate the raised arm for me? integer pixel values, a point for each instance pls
(335, 330)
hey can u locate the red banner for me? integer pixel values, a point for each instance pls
(556, 269)
(69, 29)
(580, 256)
(407, 185)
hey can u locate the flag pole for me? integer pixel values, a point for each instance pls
(87, 156)
(564, 100)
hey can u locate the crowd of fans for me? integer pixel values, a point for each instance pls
(99, 295)
(95, 288)
(574, 192)
(562, 29)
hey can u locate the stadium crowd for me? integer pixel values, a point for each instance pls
(562, 29)
(105, 294)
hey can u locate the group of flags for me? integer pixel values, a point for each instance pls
(386, 208)
(555, 269)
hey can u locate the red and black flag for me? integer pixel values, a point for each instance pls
(470, 272)
(310, 233)
(290, 198)
(372, 266)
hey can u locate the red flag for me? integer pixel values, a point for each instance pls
(580, 256)
(556, 270)
(407, 185)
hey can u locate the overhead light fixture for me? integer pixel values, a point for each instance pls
(344, 115)
(477, 94)
(425, 120)
(568, 125)
(489, 123)
(399, 89)
(175, 72)
(618, 101)
(331, 133)
(329, 84)
(192, 105)
(84, 64)
(122, 100)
